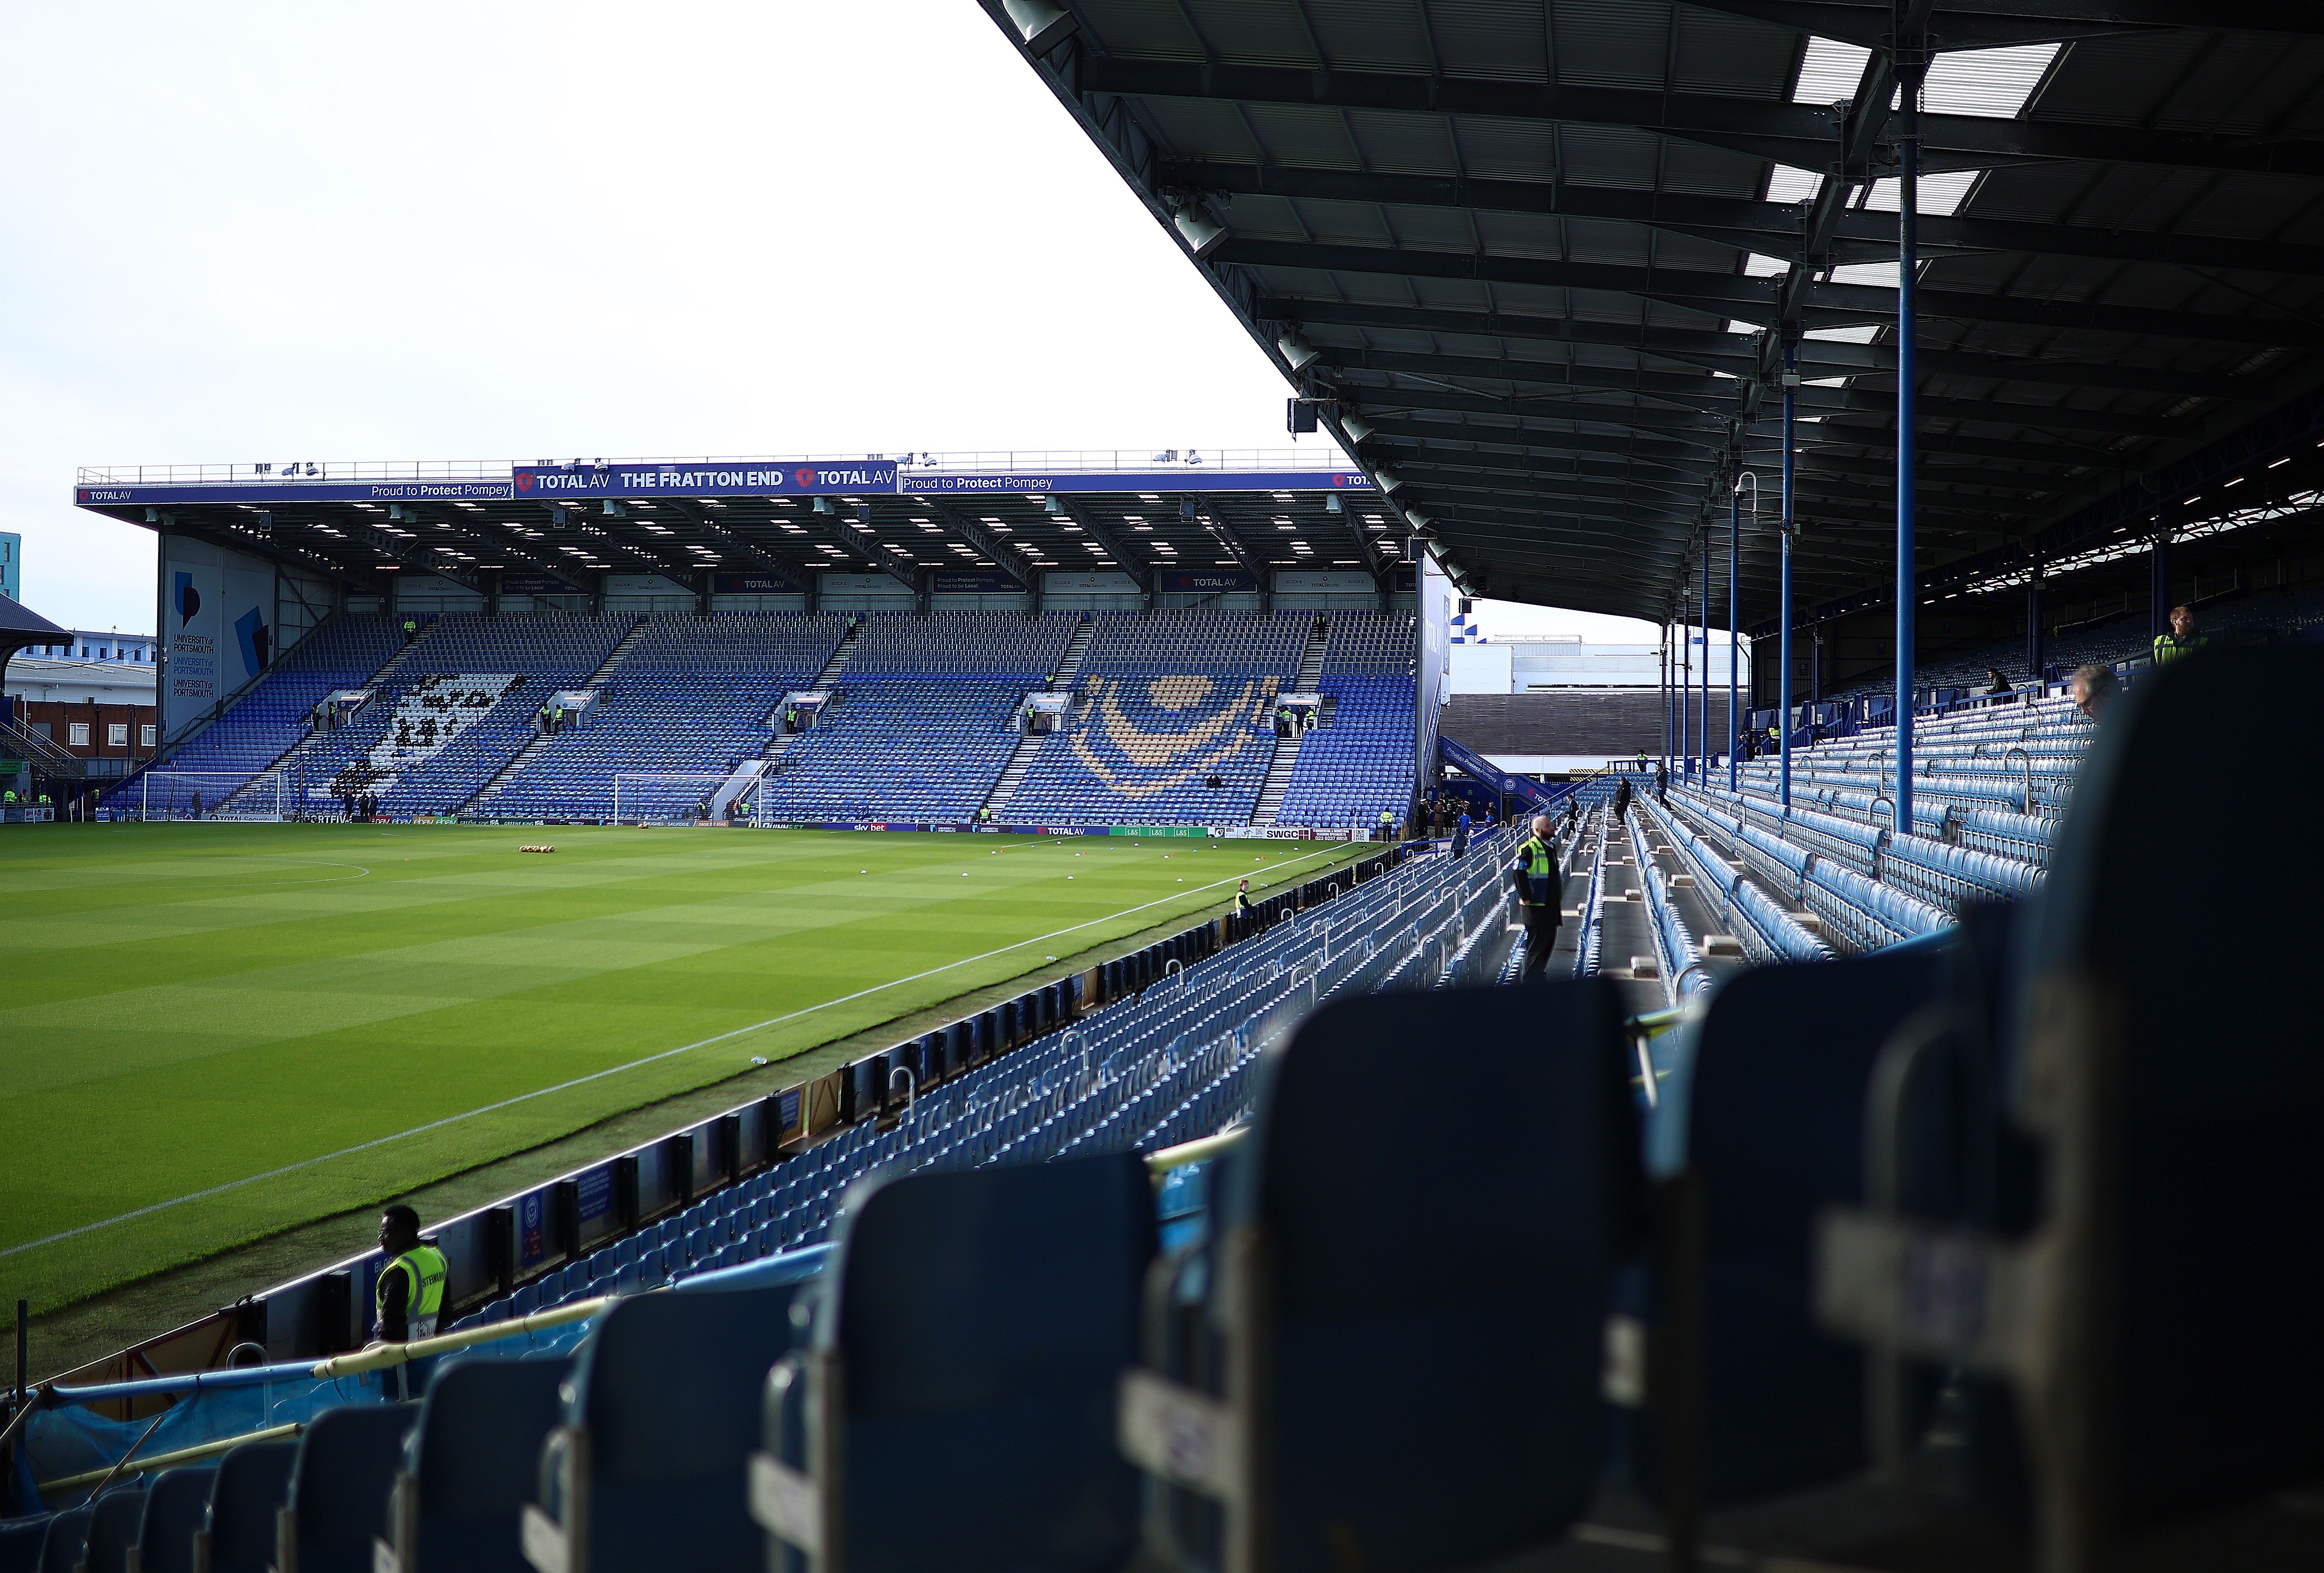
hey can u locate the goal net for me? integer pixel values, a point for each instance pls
(202, 794)
(645, 797)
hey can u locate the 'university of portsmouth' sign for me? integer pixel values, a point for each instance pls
(802, 478)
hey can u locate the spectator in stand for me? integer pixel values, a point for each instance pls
(1622, 797)
(1996, 686)
(2181, 640)
(197, 804)
(1460, 835)
(2091, 687)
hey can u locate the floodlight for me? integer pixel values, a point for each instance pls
(1296, 350)
(1356, 426)
(1389, 479)
(1332, 502)
(1042, 24)
(1200, 231)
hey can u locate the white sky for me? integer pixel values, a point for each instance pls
(520, 231)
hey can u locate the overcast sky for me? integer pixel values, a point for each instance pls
(509, 231)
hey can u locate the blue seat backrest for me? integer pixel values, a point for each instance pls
(2190, 928)
(19, 1545)
(1462, 1290)
(176, 1504)
(1775, 1134)
(253, 1482)
(669, 1387)
(984, 1318)
(475, 1451)
(348, 1460)
(113, 1527)
(67, 1541)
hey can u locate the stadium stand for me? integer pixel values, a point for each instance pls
(2111, 641)
(924, 722)
(1723, 1177)
(1166, 702)
(269, 721)
(455, 707)
(691, 697)
(1358, 761)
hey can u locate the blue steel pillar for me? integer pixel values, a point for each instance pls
(1783, 595)
(1706, 660)
(2033, 617)
(1912, 66)
(1734, 623)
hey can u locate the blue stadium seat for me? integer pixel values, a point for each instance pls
(1487, 1342)
(177, 1505)
(252, 1483)
(2180, 1372)
(470, 1464)
(112, 1525)
(66, 1541)
(19, 1545)
(649, 1467)
(983, 1318)
(338, 1503)
(1761, 1125)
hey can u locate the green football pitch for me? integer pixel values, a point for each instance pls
(209, 1032)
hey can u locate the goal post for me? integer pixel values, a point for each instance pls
(204, 795)
(648, 797)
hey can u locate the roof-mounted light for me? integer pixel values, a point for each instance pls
(1040, 23)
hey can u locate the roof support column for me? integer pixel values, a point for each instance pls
(2166, 512)
(1706, 660)
(1912, 66)
(1784, 611)
(2034, 617)
(1734, 624)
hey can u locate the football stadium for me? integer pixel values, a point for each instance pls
(1026, 1011)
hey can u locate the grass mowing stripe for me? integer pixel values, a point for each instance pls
(618, 1070)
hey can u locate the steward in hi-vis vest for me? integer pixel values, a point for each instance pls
(1539, 889)
(2181, 640)
(410, 1290)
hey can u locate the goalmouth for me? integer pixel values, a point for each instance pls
(650, 798)
(203, 794)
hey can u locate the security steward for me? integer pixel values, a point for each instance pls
(1387, 825)
(1533, 880)
(411, 629)
(2181, 640)
(412, 1284)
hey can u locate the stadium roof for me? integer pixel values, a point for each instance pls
(1545, 255)
(20, 626)
(1006, 517)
